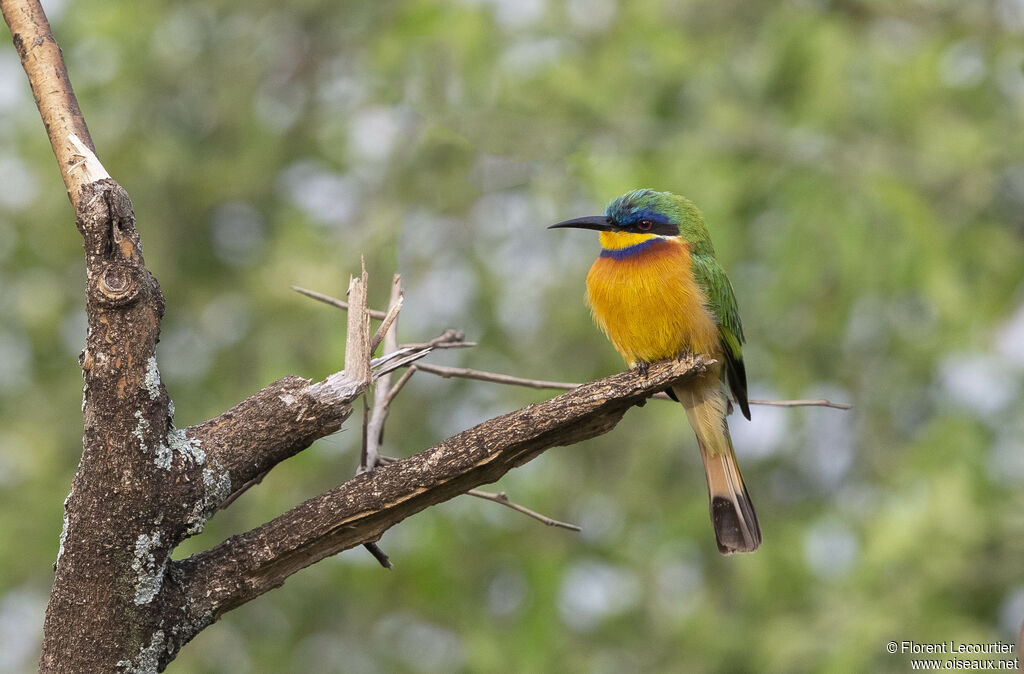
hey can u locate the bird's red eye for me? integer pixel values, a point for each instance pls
(644, 225)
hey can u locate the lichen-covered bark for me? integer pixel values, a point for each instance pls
(143, 486)
(116, 540)
(270, 426)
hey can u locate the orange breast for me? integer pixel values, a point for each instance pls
(648, 302)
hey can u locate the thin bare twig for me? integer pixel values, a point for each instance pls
(364, 447)
(379, 412)
(371, 546)
(803, 403)
(335, 302)
(449, 339)
(382, 329)
(58, 107)
(497, 378)
(378, 554)
(467, 373)
(503, 499)
(410, 353)
(406, 376)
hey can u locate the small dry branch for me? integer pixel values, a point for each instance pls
(503, 499)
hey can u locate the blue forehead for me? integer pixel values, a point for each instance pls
(636, 206)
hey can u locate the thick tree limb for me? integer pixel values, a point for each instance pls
(113, 536)
(274, 424)
(210, 583)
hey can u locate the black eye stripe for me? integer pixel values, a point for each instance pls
(646, 226)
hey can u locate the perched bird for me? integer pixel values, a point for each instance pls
(657, 292)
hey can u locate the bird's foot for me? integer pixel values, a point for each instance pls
(685, 354)
(642, 367)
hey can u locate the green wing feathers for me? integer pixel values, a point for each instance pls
(722, 303)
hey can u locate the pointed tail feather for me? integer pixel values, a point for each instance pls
(732, 512)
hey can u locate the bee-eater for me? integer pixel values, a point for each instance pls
(657, 292)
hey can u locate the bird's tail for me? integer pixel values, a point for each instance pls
(732, 513)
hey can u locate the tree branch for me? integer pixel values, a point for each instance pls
(360, 510)
(48, 76)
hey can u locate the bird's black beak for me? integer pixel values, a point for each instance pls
(599, 222)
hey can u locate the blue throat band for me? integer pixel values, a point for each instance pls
(629, 251)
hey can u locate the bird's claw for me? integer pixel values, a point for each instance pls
(642, 367)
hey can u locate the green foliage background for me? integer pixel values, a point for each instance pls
(860, 163)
